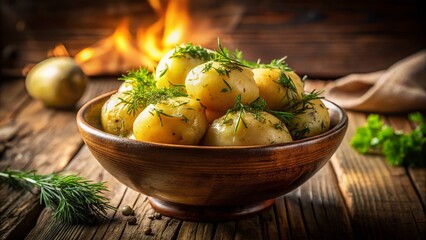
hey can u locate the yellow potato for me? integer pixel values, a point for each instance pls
(173, 69)
(126, 86)
(280, 89)
(179, 120)
(218, 86)
(260, 128)
(115, 116)
(314, 120)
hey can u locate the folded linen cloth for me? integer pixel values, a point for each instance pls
(400, 88)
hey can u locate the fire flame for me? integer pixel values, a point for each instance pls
(122, 51)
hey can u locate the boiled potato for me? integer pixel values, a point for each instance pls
(217, 86)
(280, 89)
(179, 120)
(57, 82)
(175, 65)
(259, 128)
(126, 86)
(310, 120)
(115, 115)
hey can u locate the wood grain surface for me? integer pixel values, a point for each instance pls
(352, 197)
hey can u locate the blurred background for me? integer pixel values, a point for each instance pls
(322, 39)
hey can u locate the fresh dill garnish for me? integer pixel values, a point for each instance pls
(227, 60)
(160, 112)
(72, 198)
(144, 91)
(174, 104)
(164, 71)
(287, 82)
(306, 102)
(193, 51)
(300, 133)
(227, 85)
(256, 107)
(275, 64)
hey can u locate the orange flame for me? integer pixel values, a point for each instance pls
(58, 51)
(121, 51)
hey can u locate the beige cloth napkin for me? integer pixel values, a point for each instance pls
(400, 88)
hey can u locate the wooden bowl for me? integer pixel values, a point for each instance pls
(202, 183)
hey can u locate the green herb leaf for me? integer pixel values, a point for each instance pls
(72, 198)
(193, 51)
(144, 91)
(398, 148)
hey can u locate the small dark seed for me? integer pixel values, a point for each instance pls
(132, 220)
(151, 216)
(147, 230)
(157, 215)
(127, 210)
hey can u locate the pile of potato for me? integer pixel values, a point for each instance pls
(213, 109)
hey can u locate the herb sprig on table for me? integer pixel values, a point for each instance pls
(398, 148)
(72, 198)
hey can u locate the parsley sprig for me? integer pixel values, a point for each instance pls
(398, 148)
(72, 198)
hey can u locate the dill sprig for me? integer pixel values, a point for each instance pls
(228, 60)
(256, 107)
(197, 52)
(306, 103)
(144, 91)
(72, 198)
(173, 104)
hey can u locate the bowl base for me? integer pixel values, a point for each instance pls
(208, 213)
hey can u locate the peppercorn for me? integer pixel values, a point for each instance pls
(147, 230)
(131, 220)
(157, 215)
(127, 210)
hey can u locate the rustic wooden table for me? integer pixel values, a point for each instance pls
(353, 196)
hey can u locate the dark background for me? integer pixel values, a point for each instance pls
(323, 39)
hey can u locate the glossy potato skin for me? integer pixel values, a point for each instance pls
(173, 70)
(57, 82)
(276, 95)
(115, 117)
(259, 129)
(178, 120)
(218, 92)
(316, 118)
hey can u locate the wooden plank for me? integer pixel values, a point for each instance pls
(85, 165)
(225, 231)
(381, 200)
(12, 96)
(295, 215)
(248, 229)
(269, 224)
(316, 207)
(417, 175)
(283, 224)
(47, 141)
